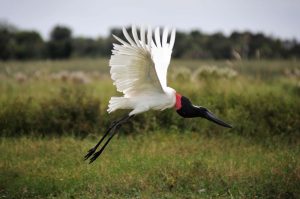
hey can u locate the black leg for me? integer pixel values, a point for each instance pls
(92, 150)
(98, 153)
(113, 128)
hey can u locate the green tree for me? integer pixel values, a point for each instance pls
(219, 46)
(6, 44)
(60, 44)
(83, 47)
(7, 31)
(28, 45)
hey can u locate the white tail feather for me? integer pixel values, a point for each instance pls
(117, 103)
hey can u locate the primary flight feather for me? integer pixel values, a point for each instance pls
(139, 68)
(139, 71)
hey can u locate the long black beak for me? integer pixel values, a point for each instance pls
(188, 110)
(210, 116)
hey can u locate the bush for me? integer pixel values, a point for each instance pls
(17, 117)
(73, 112)
(256, 114)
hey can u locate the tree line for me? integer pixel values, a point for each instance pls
(24, 45)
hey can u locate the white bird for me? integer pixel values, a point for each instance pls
(139, 70)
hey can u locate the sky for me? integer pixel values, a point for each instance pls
(93, 18)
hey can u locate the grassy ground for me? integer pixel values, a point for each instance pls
(156, 165)
(43, 104)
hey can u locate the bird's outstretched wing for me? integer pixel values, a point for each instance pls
(139, 66)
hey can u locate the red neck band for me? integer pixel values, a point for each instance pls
(178, 101)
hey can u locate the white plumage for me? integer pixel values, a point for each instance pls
(139, 71)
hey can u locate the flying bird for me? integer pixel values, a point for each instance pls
(138, 68)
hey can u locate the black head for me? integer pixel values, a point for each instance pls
(187, 110)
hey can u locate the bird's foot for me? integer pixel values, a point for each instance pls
(95, 156)
(90, 153)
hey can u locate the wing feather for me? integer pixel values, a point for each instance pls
(122, 42)
(142, 32)
(135, 36)
(172, 40)
(165, 37)
(149, 37)
(128, 37)
(157, 38)
(137, 67)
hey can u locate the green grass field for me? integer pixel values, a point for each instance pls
(156, 165)
(52, 112)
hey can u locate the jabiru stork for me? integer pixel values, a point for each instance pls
(138, 68)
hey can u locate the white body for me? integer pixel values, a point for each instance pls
(139, 71)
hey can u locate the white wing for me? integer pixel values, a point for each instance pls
(161, 54)
(138, 67)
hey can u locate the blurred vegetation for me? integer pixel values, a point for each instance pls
(24, 44)
(47, 107)
(70, 97)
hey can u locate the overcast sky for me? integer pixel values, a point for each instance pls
(279, 18)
